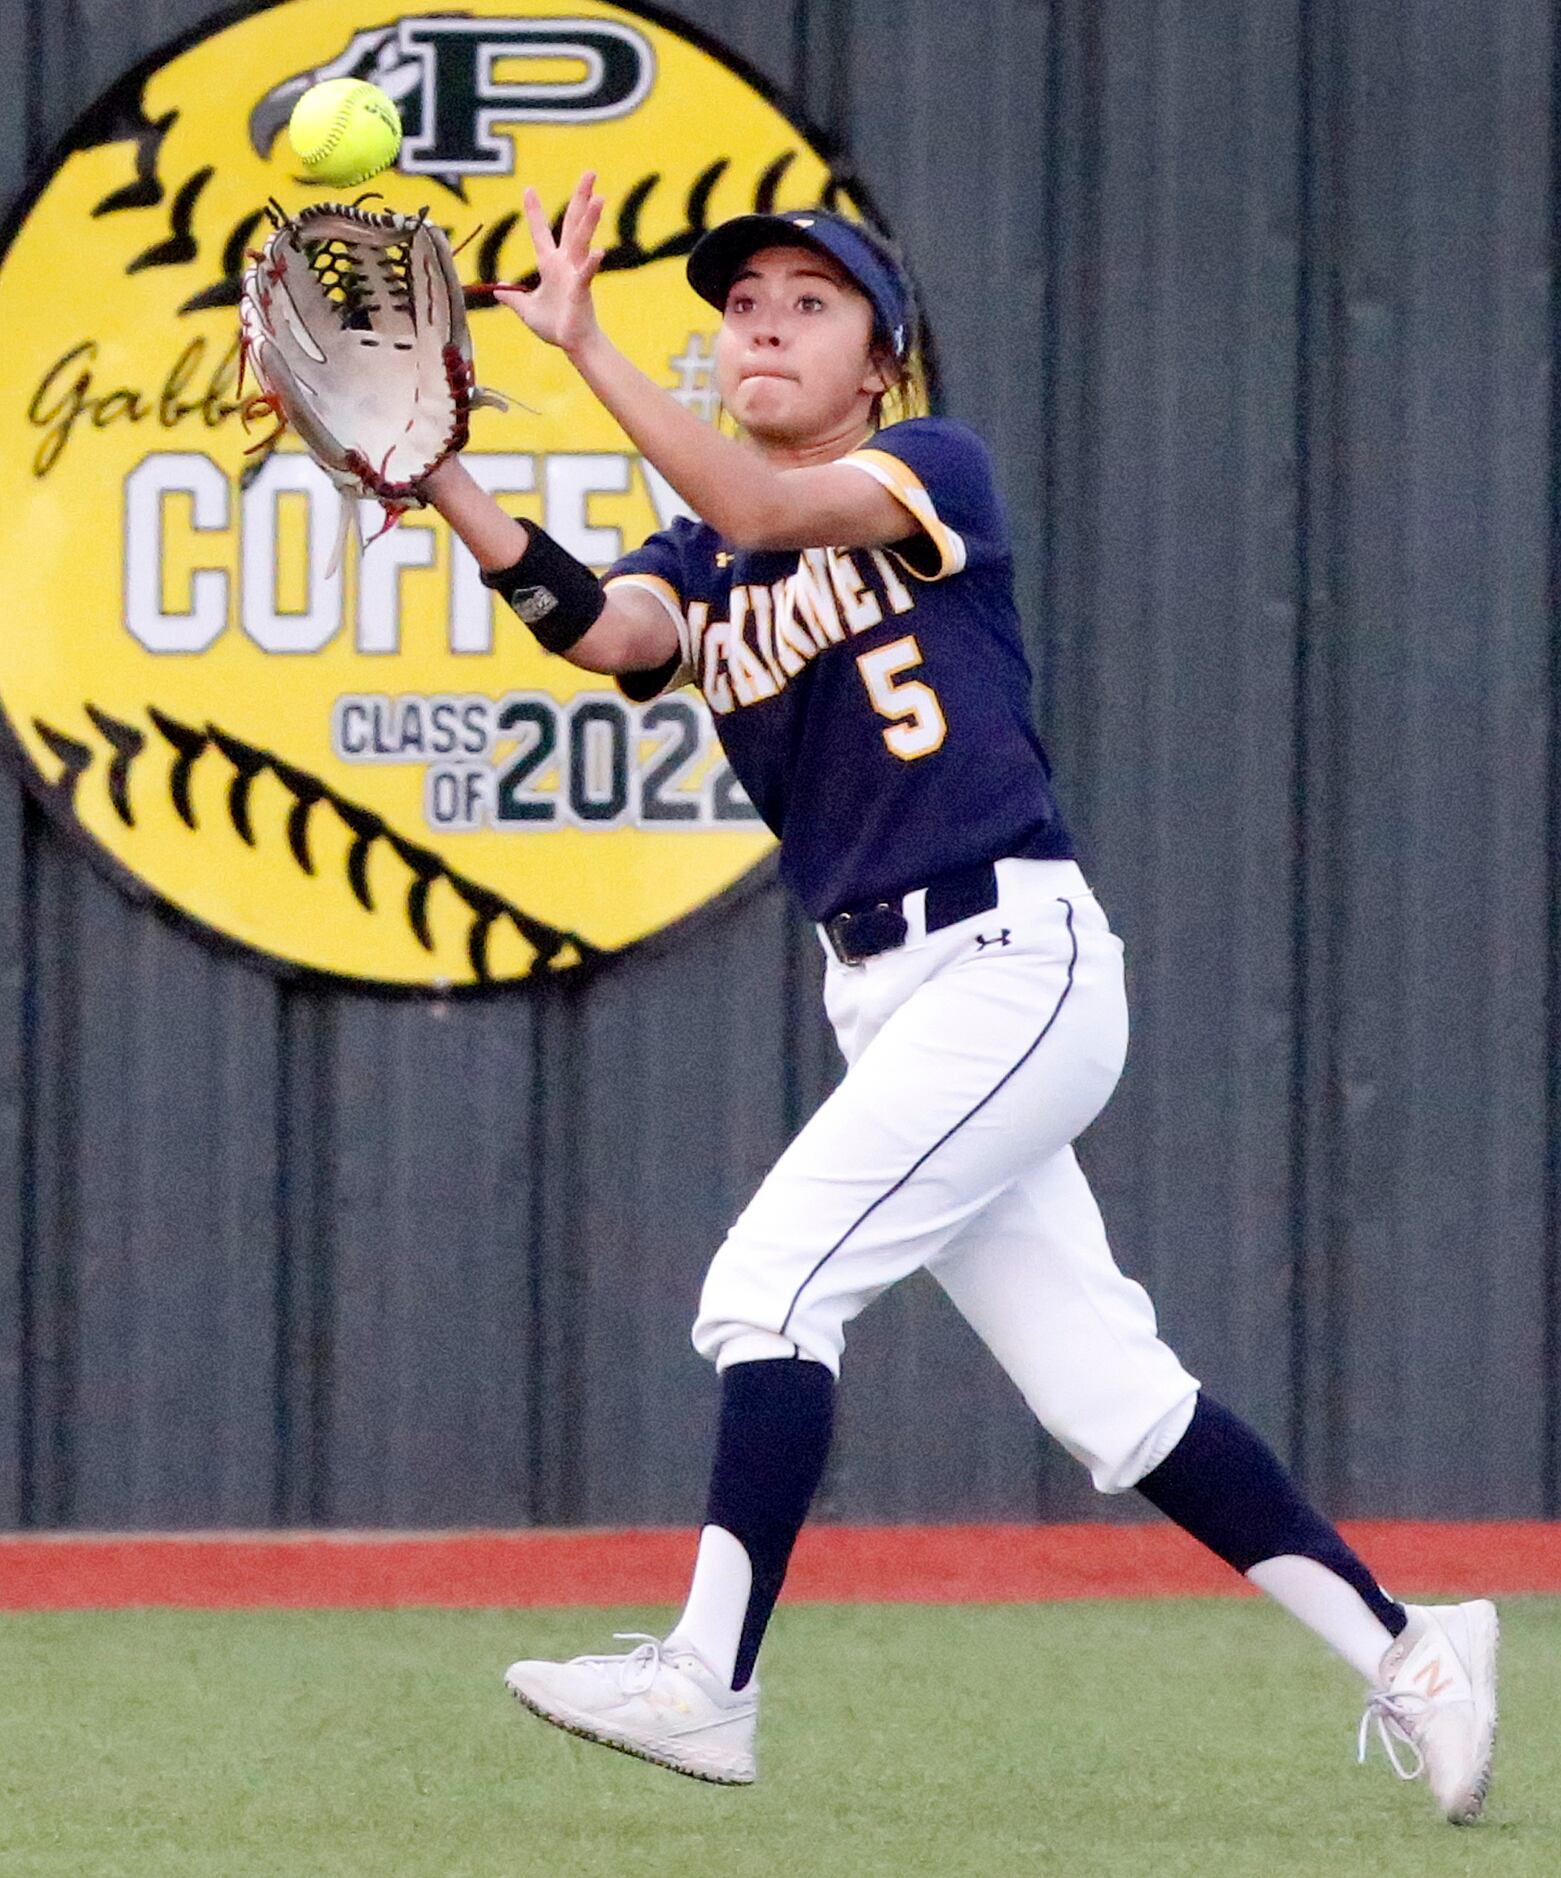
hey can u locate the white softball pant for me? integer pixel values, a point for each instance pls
(976, 1055)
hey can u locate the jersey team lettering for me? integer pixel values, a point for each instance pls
(772, 632)
(885, 684)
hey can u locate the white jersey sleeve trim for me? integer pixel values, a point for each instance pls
(666, 593)
(910, 492)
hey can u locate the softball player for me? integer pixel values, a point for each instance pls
(846, 607)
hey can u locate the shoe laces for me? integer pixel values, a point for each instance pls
(1396, 1718)
(637, 1670)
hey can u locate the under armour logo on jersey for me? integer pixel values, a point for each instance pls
(1001, 940)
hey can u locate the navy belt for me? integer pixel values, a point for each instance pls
(859, 933)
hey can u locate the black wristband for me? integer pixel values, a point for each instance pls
(550, 591)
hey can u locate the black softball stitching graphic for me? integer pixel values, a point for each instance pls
(126, 742)
(180, 247)
(147, 189)
(75, 760)
(628, 251)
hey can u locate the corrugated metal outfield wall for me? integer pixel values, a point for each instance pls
(1256, 300)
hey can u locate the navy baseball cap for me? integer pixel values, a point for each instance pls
(718, 257)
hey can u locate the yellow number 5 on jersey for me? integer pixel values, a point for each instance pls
(919, 726)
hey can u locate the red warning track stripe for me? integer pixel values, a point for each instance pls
(833, 1564)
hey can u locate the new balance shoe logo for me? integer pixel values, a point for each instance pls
(1001, 940)
(1431, 1675)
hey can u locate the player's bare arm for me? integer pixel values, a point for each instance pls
(789, 364)
(634, 631)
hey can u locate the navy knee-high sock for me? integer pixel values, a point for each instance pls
(1224, 1485)
(773, 1439)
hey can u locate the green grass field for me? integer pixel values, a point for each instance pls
(1211, 1739)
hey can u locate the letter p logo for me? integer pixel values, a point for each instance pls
(475, 80)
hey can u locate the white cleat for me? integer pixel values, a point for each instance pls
(659, 1702)
(1437, 1698)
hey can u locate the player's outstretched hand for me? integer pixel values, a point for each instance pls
(558, 309)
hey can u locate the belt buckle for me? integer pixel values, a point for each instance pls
(861, 933)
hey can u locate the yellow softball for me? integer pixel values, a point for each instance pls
(345, 130)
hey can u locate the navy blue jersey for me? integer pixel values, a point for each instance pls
(874, 703)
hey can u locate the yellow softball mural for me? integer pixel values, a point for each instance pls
(371, 772)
